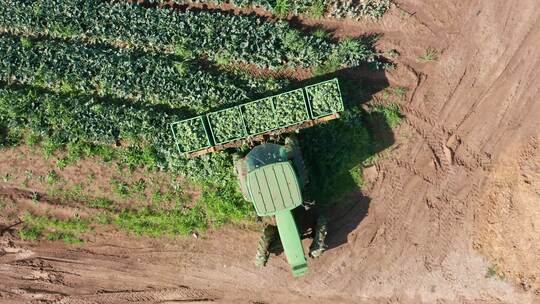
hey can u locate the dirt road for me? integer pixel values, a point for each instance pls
(453, 207)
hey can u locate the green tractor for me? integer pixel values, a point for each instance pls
(272, 177)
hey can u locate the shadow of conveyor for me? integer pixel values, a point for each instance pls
(336, 152)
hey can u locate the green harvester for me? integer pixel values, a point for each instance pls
(272, 176)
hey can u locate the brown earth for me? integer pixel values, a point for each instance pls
(453, 211)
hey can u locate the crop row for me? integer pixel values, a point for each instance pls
(258, 116)
(315, 8)
(219, 36)
(160, 79)
(70, 117)
(65, 118)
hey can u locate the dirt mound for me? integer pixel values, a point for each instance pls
(453, 207)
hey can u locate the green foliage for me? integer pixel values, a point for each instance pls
(190, 134)
(9, 137)
(155, 221)
(317, 8)
(493, 271)
(52, 177)
(220, 203)
(213, 34)
(101, 203)
(325, 98)
(332, 152)
(374, 9)
(282, 8)
(429, 55)
(401, 92)
(104, 218)
(78, 120)
(69, 230)
(329, 66)
(34, 197)
(153, 78)
(321, 33)
(29, 233)
(119, 187)
(391, 113)
(136, 156)
(49, 145)
(32, 139)
(224, 204)
(227, 125)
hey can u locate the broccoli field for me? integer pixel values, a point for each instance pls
(214, 151)
(136, 85)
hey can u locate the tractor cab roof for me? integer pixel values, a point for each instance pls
(273, 188)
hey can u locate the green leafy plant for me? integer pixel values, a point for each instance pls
(401, 92)
(227, 125)
(317, 8)
(102, 203)
(429, 55)
(332, 152)
(155, 221)
(283, 8)
(494, 271)
(152, 78)
(211, 34)
(324, 98)
(190, 134)
(69, 230)
(52, 177)
(391, 113)
(119, 187)
(329, 66)
(321, 33)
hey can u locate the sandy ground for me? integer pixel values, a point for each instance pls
(456, 196)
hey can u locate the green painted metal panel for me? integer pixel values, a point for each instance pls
(274, 188)
(292, 245)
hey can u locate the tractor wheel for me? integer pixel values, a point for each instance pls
(319, 245)
(269, 234)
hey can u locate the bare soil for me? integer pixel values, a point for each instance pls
(451, 214)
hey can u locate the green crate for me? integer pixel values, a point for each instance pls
(259, 116)
(227, 125)
(190, 135)
(324, 98)
(292, 113)
(268, 114)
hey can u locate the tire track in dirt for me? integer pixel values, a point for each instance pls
(446, 144)
(177, 295)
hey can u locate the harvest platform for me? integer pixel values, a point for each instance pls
(255, 120)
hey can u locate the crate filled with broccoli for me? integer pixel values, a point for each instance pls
(227, 125)
(190, 134)
(324, 98)
(290, 108)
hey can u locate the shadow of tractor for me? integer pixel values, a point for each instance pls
(336, 153)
